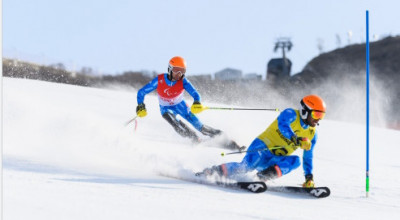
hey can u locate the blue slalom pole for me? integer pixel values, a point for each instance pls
(367, 81)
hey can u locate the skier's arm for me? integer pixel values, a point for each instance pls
(308, 157)
(149, 87)
(191, 90)
(284, 120)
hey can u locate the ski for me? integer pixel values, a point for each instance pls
(250, 186)
(318, 192)
(254, 187)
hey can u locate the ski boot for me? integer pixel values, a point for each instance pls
(209, 131)
(271, 172)
(242, 148)
(219, 170)
(309, 183)
(232, 145)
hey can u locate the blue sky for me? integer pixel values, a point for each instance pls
(120, 35)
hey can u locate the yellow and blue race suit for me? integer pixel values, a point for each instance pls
(274, 146)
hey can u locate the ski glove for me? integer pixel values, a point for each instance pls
(197, 107)
(141, 110)
(303, 142)
(309, 183)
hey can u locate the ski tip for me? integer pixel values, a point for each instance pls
(320, 192)
(317, 192)
(255, 187)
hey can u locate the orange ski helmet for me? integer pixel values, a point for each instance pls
(178, 62)
(314, 105)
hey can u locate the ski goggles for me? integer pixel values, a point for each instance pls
(317, 115)
(180, 70)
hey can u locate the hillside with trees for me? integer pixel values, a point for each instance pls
(338, 76)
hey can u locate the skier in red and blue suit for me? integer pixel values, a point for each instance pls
(170, 87)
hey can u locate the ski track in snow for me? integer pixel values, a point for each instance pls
(68, 155)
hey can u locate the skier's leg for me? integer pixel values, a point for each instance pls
(278, 166)
(232, 145)
(288, 163)
(209, 131)
(180, 127)
(269, 173)
(249, 162)
(227, 143)
(190, 132)
(185, 112)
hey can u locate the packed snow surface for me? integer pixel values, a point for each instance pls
(67, 154)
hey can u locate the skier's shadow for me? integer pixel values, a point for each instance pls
(289, 195)
(73, 175)
(138, 182)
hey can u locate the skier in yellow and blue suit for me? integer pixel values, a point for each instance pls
(269, 153)
(170, 88)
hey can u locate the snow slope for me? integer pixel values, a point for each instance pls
(68, 155)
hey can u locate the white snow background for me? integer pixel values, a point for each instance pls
(68, 155)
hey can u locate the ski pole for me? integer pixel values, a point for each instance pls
(133, 119)
(239, 152)
(228, 108)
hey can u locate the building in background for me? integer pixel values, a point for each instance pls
(228, 74)
(279, 68)
(252, 77)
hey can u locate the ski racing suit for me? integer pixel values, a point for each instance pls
(170, 96)
(274, 146)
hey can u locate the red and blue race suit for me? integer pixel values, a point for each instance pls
(170, 97)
